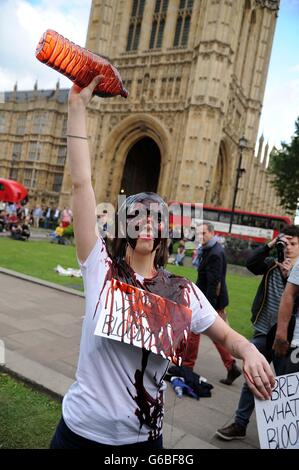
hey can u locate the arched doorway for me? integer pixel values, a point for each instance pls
(142, 168)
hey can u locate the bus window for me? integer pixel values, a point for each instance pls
(261, 222)
(248, 220)
(237, 219)
(211, 216)
(224, 217)
(277, 224)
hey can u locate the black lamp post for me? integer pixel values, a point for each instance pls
(242, 145)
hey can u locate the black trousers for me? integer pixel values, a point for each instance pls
(64, 438)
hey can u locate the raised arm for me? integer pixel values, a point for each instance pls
(84, 203)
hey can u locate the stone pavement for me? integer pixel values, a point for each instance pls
(40, 324)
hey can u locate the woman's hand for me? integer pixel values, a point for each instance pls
(258, 373)
(81, 96)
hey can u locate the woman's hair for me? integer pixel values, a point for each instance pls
(119, 244)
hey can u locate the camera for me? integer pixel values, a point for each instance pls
(280, 246)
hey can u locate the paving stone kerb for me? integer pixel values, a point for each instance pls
(40, 325)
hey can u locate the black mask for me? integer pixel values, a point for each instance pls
(134, 213)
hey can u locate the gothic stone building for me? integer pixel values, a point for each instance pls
(196, 73)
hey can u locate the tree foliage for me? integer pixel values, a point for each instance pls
(284, 168)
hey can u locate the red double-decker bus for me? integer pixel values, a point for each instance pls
(13, 191)
(251, 226)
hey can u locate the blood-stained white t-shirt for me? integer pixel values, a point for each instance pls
(117, 397)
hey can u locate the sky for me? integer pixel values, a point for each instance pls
(22, 23)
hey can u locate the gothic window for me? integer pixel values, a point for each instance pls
(163, 87)
(13, 173)
(177, 87)
(153, 34)
(39, 122)
(182, 28)
(61, 155)
(64, 126)
(16, 152)
(21, 124)
(145, 84)
(169, 87)
(138, 90)
(128, 84)
(30, 178)
(57, 183)
(2, 123)
(152, 88)
(158, 24)
(135, 25)
(34, 151)
(249, 52)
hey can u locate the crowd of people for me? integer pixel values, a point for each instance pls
(18, 219)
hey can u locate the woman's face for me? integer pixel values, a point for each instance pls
(145, 225)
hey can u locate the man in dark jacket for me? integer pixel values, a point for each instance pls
(264, 317)
(211, 281)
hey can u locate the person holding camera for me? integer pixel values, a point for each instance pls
(275, 271)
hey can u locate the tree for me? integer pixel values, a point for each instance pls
(284, 168)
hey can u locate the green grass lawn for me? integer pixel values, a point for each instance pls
(28, 418)
(39, 258)
(241, 291)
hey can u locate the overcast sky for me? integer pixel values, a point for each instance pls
(22, 22)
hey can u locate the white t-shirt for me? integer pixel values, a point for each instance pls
(117, 397)
(294, 279)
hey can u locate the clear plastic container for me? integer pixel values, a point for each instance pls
(79, 64)
(177, 383)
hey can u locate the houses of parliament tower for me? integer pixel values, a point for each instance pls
(196, 73)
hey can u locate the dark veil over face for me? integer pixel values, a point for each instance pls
(133, 216)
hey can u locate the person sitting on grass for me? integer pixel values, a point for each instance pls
(179, 258)
(20, 231)
(57, 235)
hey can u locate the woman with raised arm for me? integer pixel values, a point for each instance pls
(137, 316)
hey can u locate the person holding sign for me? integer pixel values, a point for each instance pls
(137, 316)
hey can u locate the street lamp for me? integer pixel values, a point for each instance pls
(240, 171)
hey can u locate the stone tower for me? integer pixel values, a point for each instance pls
(196, 73)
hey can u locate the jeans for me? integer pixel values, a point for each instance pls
(246, 402)
(64, 438)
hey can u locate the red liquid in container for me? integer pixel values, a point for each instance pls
(79, 64)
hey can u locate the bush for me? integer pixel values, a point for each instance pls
(68, 232)
(237, 250)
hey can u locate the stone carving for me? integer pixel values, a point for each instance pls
(271, 4)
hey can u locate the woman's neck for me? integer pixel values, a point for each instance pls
(141, 264)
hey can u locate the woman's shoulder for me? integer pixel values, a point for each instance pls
(174, 278)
